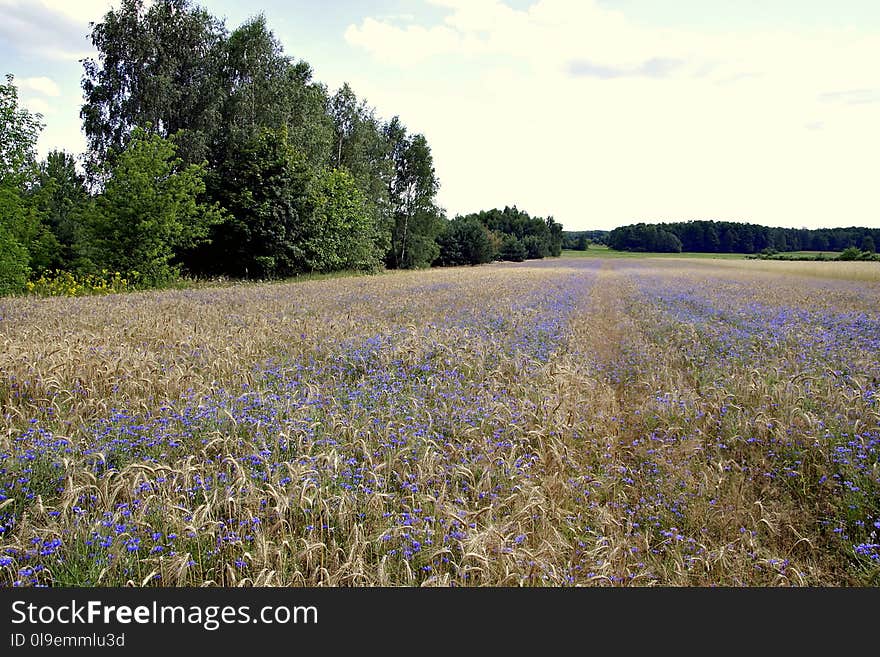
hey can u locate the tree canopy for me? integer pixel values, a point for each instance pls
(734, 237)
(212, 151)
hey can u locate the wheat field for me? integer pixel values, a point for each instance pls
(564, 422)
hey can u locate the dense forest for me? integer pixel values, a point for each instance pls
(735, 237)
(212, 152)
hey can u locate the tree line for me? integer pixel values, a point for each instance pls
(212, 152)
(734, 237)
(508, 234)
(580, 240)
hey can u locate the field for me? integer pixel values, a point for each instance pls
(602, 251)
(574, 421)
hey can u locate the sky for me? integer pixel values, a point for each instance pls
(598, 113)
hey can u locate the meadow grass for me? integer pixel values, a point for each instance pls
(575, 421)
(602, 251)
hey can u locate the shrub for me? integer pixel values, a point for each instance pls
(850, 253)
(64, 284)
(13, 264)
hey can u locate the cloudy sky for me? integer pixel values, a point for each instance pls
(597, 112)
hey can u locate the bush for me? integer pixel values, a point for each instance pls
(149, 211)
(64, 284)
(465, 241)
(512, 249)
(14, 268)
(850, 253)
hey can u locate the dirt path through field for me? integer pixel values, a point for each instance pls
(601, 338)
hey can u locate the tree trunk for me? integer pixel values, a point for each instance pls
(403, 241)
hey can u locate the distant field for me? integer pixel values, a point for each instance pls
(601, 251)
(807, 254)
(574, 421)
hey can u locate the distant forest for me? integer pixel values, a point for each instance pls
(580, 240)
(213, 153)
(734, 237)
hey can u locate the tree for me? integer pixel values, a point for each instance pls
(285, 218)
(868, 244)
(411, 190)
(343, 231)
(266, 90)
(264, 184)
(149, 210)
(157, 65)
(534, 237)
(361, 149)
(25, 245)
(14, 257)
(24, 223)
(553, 237)
(535, 248)
(850, 253)
(62, 197)
(19, 130)
(13, 263)
(512, 249)
(341, 234)
(465, 241)
(344, 111)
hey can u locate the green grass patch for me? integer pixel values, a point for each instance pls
(601, 251)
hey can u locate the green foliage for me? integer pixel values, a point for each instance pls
(19, 130)
(264, 185)
(62, 198)
(157, 65)
(412, 191)
(533, 237)
(270, 135)
(264, 89)
(360, 147)
(23, 221)
(415, 238)
(850, 253)
(285, 218)
(14, 269)
(536, 248)
(735, 237)
(512, 249)
(343, 233)
(465, 241)
(580, 240)
(647, 237)
(149, 210)
(853, 253)
(308, 182)
(25, 244)
(66, 284)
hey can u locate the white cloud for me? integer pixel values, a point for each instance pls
(36, 105)
(51, 29)
(42, 85)
(61, 135)
(405, 46)
(600, 121)
(80, 11)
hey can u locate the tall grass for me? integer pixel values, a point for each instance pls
(566, 422)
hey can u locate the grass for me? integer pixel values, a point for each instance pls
(602, 251)
(794, 255)
(576, 421)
